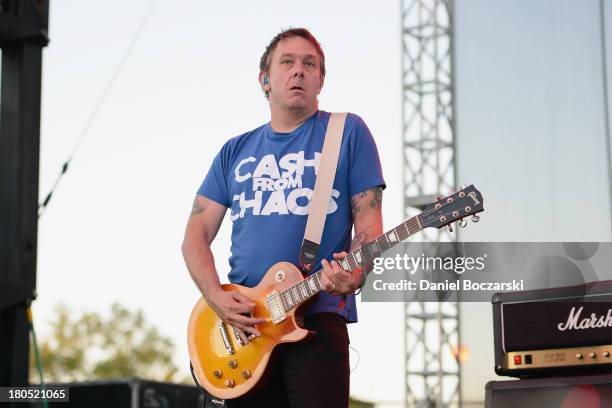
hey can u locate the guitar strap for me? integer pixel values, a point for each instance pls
(322, 190)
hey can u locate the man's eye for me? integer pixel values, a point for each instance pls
(310, 64)
(286, 61)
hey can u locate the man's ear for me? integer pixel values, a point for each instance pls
(264, 81)
(321, 84)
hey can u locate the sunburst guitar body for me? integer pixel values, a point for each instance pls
(222, 364)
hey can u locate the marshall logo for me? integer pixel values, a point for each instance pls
(575, 322)
(472, 195)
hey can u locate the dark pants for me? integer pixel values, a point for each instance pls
(312, 373)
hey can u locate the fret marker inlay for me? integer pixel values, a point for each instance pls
(312, 285)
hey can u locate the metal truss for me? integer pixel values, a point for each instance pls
(432, 330)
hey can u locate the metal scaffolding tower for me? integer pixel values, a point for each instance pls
(432, 331)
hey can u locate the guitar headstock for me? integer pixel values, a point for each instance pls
(445, 211)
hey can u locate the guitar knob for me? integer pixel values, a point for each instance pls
(463, 223)
(475, 218)
(229, 383)
(218, 373)
(232, 363)
(245, 374)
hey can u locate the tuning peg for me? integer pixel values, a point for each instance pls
(463, 223)
(475, 218)
(450, 228)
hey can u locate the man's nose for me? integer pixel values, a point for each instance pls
(298, 69)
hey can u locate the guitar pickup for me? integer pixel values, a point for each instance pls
(225, 337)
(275, 307)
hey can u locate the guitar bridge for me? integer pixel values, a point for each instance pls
(225, 337)
(275, 307)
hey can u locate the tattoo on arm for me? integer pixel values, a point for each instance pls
(197, 208)
(375, 199)
(369, 226)
(360, 238)
(355, 202)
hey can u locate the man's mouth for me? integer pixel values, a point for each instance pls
(296, 88)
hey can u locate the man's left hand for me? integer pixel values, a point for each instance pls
(336, 280)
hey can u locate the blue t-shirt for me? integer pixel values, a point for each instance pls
(267, 179)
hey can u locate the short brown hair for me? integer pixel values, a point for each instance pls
(264, 63)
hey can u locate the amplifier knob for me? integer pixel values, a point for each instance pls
(606, 354)
(579, 356)
(229, 383)
(592, 355)
(218, 373)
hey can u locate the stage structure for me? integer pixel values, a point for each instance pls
(24, 34)
(431, 331)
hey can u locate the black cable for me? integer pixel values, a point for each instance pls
(42, 207)
(208, 397)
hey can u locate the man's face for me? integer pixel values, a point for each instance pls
(295, 74)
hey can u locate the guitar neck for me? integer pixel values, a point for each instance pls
(362, 256)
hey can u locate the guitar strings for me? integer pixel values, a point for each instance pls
(426, 215)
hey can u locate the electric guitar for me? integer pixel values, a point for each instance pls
(227, 368)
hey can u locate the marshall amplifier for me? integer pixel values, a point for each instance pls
(560, 330)
(593, 391)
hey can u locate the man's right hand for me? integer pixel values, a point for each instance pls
(231, 307)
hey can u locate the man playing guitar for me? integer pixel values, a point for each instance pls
(266, 178)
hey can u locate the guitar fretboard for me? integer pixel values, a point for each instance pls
(363, 256)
